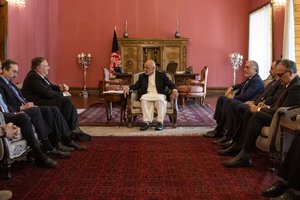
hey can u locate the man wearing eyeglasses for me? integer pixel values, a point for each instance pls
(244, 91)
(290, 96)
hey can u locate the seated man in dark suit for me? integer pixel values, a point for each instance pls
(290, 175)
(245, 91)
(153, 87)
(59, 133)
(39, 90)
(290, 96)
(236, 116)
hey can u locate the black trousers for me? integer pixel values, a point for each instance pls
(57, 123)
(234, 116)
(289, 171)
(220, 111)
(22, 120)
(37, 116)
(67, 108)
(253, 129)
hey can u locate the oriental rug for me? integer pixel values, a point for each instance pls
(141, 168)
(192, 115)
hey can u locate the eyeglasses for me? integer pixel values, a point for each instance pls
(281, 74)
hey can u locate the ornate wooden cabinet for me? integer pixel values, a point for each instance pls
(135, 51)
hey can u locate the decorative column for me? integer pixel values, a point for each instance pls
(85, 60)
(236, 60)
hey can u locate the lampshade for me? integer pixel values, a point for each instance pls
(17, 3)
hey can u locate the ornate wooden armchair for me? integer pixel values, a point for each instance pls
(134, 105)
(194, 88)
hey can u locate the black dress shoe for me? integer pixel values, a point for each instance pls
(144, 127)
(79, 135)
(276, 189)
(232, 150)
(214, 134)
(289, 195)
(211, 133)
(241, 162)
(55, 153)
(45, 161)
(159, 127)
(221, 140)
(76, 146)
(226, 144)
(64, 148)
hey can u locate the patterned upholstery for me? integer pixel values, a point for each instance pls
(134, 105)
(11, 150)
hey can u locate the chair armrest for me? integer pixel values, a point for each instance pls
(292, 109)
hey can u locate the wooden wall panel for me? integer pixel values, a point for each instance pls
(297, 32)
(3, 29)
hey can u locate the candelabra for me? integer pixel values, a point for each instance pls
(85, 61)
(236, 60)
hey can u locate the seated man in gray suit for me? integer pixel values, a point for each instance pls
(153, 87)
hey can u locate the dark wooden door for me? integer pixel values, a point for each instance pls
(3, 29)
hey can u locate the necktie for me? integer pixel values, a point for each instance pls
(269, 87)
(241, 90)
(3, 105)
(276, 105)
(46, 80)
(21, 99)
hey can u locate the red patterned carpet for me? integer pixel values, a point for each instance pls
(191, 115)
(125, 168)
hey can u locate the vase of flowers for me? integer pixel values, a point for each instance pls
(236, 60)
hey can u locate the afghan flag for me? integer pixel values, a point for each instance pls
(115, 60)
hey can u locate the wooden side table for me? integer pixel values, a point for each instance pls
(111, 97)
(290, 127)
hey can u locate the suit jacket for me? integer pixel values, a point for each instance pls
(36, 89)
(290, 97)
(249, 88)
(162, 82)
(10, 97)
(270, 94)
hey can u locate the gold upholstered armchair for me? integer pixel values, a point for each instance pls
(134, 105)
(269, 139)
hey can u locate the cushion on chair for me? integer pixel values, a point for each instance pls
(195, 89)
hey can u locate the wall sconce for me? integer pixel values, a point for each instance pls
(17, 3)
(278, 2)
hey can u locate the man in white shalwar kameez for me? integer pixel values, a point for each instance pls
(153, 87)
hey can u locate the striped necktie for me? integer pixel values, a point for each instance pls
(21, 99)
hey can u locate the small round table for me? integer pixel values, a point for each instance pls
(114, 97)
